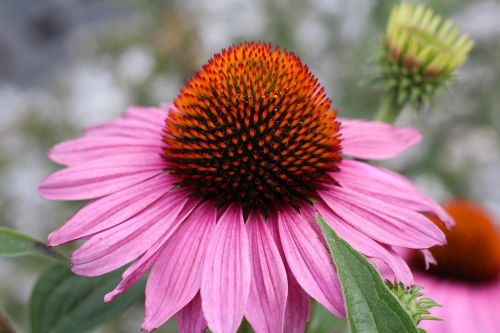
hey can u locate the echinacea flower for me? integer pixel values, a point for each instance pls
(421, 50)
(466, 279)
(217, 193)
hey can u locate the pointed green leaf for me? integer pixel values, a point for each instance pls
(370, 305)
(13, 243)
(64, 302)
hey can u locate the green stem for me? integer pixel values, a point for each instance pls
(388, 110)
(43, 249)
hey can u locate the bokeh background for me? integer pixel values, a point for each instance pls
(68, 64)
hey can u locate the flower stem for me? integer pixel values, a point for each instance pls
(43, 249)
(388, 110)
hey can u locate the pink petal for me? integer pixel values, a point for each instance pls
(144, 263)
(125, 128)
(268, 289)
(484, 307)
(310, 261)
(99, 178)
(297, 310)
(387, 186)
(428, 258)
(111, 210)
(133, 273)
(89, 148)
(364, 244)
(457, 309)
(476, 307)
(465, 307)
(382, 221)
(125, 242)
(175, 277)
(457, 314)
(225, 283)
(137, 122)
(190, 319)
(376, 140)
(153, 115)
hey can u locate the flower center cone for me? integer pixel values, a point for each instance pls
(253, 127)
(472, 252)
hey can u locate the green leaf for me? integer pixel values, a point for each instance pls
(322, 320)
(13, 243)
(370, 305)
(64, 302)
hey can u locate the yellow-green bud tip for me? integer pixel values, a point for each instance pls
(420, 52)
(418, 38)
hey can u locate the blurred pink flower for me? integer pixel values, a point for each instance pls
(466, 279)
(217, 193)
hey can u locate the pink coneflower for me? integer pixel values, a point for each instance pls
(217, 195)
(466, 279)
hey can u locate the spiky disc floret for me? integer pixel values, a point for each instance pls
(421, 51)
(253, 126)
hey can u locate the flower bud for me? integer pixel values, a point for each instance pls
(412, 300)
(420, 53)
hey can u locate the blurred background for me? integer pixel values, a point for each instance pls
(68, 64)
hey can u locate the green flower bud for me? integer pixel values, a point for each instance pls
(412, 301)
(421, 50)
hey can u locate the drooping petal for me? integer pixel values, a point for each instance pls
(297, 309)
(125, 242)
(376, 140)
(90, 148)
(366, 245)
(428, 258)
(102, 177)
(387, 223)
(310, 261)
(268, 289)
(176, 275)
(111, 210)
(190, 319)
(226, 276)
(135, 271)
(387, 186)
